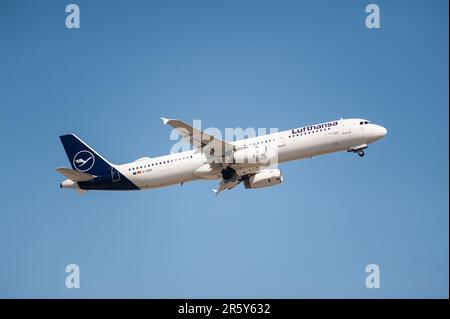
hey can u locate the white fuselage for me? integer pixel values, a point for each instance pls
(291, 145)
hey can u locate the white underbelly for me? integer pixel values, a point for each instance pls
(166, 176)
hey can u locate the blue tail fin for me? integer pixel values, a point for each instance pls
(82, 157)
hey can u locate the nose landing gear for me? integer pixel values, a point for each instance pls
(358, 149)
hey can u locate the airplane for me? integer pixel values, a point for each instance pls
(252, 161)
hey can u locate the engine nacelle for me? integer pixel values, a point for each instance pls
(255, 155)
(265, 178)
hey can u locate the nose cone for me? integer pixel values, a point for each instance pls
(379, 132)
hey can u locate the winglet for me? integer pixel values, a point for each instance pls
(216, 191)
(165, 120)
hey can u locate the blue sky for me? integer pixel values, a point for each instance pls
(243, 64)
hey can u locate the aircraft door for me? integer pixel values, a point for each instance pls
(281, 141)
(346, 128)
(115, 175)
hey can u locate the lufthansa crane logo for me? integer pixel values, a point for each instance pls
(83, 161)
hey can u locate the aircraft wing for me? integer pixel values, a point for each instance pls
(224, 185)
(199, 139)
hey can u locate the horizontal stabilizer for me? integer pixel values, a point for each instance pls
(75, 175)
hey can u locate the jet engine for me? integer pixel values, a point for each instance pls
(264, 178)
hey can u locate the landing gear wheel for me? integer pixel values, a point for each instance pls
(361, 153)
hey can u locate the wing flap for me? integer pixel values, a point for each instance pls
(224, 185)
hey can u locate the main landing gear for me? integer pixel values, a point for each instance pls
(361, 153)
